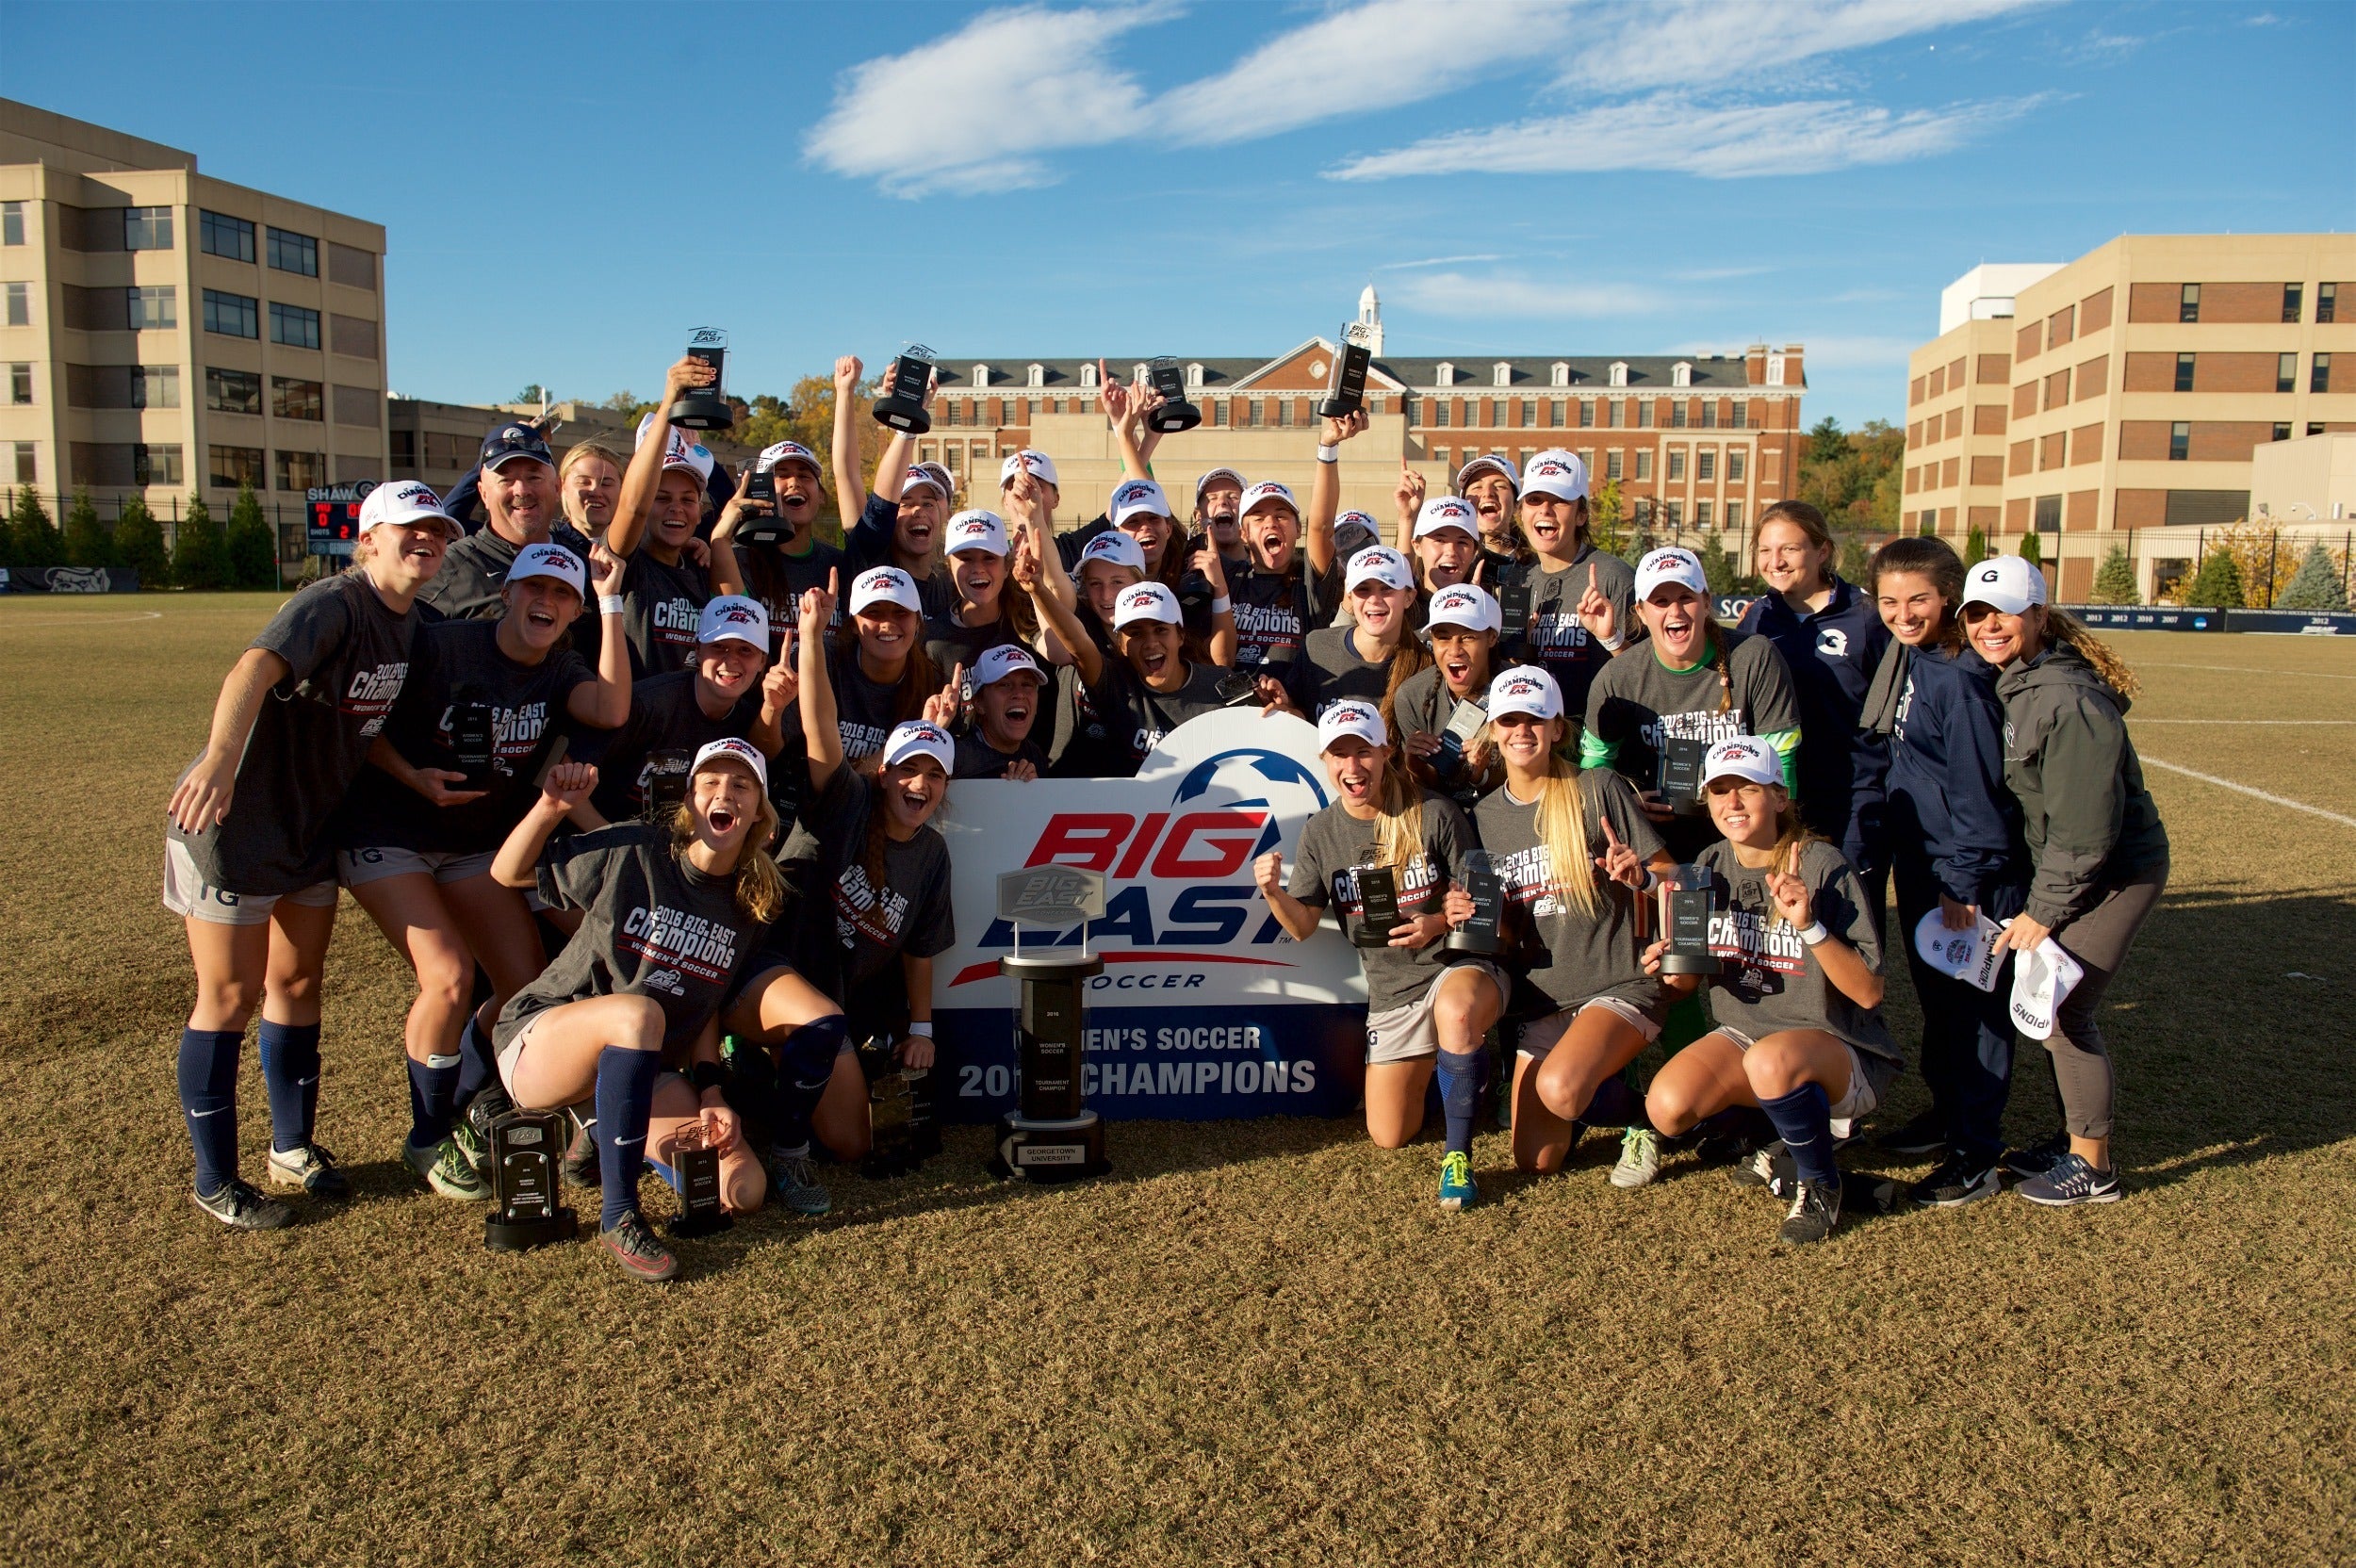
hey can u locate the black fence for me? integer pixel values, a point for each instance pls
(290, 520)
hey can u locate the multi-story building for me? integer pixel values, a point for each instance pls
(2118, 399)
(1698, 443)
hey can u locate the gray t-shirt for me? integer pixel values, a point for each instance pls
(1637, 700)
(1334, 845)
(1335, 671)
(1770, 982)
(664, 716)
(347, 657)
(978, 759)
(777, 581)
(660, 608)
(854, 933)
(1556, 639)
(1425, 706)
(652, 925)
(1565, 958)
(1135, 716)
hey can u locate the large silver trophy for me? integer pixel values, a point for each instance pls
(1051, 1135)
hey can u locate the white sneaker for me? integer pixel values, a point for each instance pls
(1640, 1159)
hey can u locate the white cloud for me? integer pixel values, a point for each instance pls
(1512, 294)
(968, 113)
(1435, 261)
(1701, 42)
(1667, 133)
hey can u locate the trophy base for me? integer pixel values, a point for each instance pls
(1370, 938)
(901, 414)
(1485, 947)
(1336, 408)
(702, 414)
(689, 1226)
(523, 1236)
(1050, 1152)
(1680, 963)
(1173, 418)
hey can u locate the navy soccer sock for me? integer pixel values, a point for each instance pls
(1616, 1105)
(476, 1066)
(290, 1070)
(1803, 1119)
(1459, 1094)
(625, 1101)
(432, 1095)
(805, 1063)
(208, 1099)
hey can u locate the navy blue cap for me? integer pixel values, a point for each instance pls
(516, 440)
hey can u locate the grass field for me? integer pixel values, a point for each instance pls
(1257, 1342)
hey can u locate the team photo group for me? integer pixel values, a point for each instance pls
(640, 777)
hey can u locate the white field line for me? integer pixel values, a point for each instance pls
(2245, 669)
(2137, 718)
(2246, 789)
(8, 620)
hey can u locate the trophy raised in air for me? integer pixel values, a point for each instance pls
(525, 1146)
(1346, 389)
(696, 1165)
(1685, 908)
(1175, 414)
(1051, 1135)
(1486, 889)
(903, 407)
(706, 407)
(1378, 906)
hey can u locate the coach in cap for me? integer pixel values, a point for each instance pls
(520, 503)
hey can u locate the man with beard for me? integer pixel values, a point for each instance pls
(519, 498)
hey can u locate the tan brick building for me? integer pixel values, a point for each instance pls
(2120, 398)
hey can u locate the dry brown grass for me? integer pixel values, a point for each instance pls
(1257, 1342)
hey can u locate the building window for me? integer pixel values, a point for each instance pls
(1701, 514)
(1619, 372)
(1643, 462)
(2282, 430)
(233, 391)
(155, 387)
(1677, 415)
(28, 467)
(2327, 301)
(405, 449)
(2184, 372)
(2319, 373)
(1614, 414)
(147, 228)
(1644, 414)
(1438, 416)
(235, 465)
(1742, 416)
(232, 314)
(156, 306)
(1586, 413)
(300, 470)
(2314, 427)
(19, 305)
(297, 400)
(1218, 412)
(19, 383)
(220, 234)
(1677, 462)
(155, 464)
(1710, 414)
(1377, 404)
(1194, 378)
(1560, 375)
(1446, 375)
(1734, 513)
(294, 326)
(950, 457)
(1285, 411)
(2048, 513)
(1734, 468)
(2286, 372)
(1556, 411)
(12, 232)
(1681, 374)
(2294, 300)
(294, 252)
(1705, 466)
(2188, 305)
(2179, 441)
(1611, 464)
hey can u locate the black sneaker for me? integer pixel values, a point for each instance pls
(309, 1168)
(631, 1242)
(241, 1208)
(2040, 1157)
(579, 1165)
(1926, 1134)
(1815, 1210)
(1957, 1180)
(1769, 1166)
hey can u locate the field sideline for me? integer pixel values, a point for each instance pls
(1257, 1341)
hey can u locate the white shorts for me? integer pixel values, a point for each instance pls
(1541, 1035)
(355, 867)
(1410, 1029)
(187, 894)
(512, 1052)
(1860, 1101)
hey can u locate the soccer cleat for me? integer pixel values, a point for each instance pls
(793, 1182)
(472, 1127)
(1957, 1180)
(241, 1208)
(2041, 1156)
(1815, 1210)
(1458, 1190)
(1926, 1134)
(2072, 1181)
(1640, 1159)
(579, 1168)
(1769, 1166)
(447, 1170)
(631, 1242)
(310, 1170)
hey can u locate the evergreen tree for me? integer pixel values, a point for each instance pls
(1718, 568)
(1856, 558)
(33, 539)
(2115, 582)
(138, 544)
(2317, 586)
(1975, 548)
(86, 542)
(2033, 549)
(2218, 584)
(252, 546)
(200, 554)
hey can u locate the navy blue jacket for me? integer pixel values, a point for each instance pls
(1947, 799)
(466, 495)
(1833, 653)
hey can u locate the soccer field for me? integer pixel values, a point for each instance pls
(1255, 1341)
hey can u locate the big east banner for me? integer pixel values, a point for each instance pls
(1206, 1009)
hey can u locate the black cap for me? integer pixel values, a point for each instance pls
(514, 440)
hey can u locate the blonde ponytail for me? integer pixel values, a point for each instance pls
(1399, 827)
(1562, 829)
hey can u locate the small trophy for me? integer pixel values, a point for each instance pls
(1681, 760)
(696, 1163)
(1346, 393)
(1486, 889)
(473, 736)
(1378, 906)
(1448, 762)
(706, 407)
(667, 781)
(524, 1149)
(1685, 904)
(903, 407)
(1175, 414)
(890, 1110)
(1513, 609)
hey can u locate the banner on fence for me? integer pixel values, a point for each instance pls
(2147, 618)
(2293, 623)
(1206, 1009)
(68, 579)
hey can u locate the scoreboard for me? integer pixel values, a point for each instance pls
(334, 517)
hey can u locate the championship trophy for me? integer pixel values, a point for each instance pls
(1175, 414)
(1486, 889)
(891, 1106)
(525, 1146)
(696, 1165)
(706, 407)
(667, 781)
(1346, 393)
(473, 735)
(1051, 1135)
(1680, 778)
(1685, 904)
(1378, 906)
(1448, 762)
(1352, 532)
(903, 407)
(1513, 606)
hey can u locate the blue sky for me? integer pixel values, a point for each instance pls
(567, 189)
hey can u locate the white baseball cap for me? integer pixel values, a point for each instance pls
(405, 501)
(921, 738)
(1037, 462)
(1556, 473)
(729, 749)
(1146, 602)
(734, 618)
(2004, 582)
(551, 561)
(921, 475)
(1969, 956)
(1114, 548)
(1670, 565)
(1525, 689)
(678, 451)
(1377, 564)
(1744, 757)
(787, 451)
(1494, 462)
(1465, 604)
(1205, 482)
(886, 585)
(2042, 979)
(1266, 491)
(1006, 659)
(1134, 498)
(976, 530)
(1442, 513)
(1352, 717)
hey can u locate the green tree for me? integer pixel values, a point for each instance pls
(1856, 558)
(2317, 584)
(140, 544)
(251, 549)
(1853, 477)
(1719, 568)
(2217, 585)
(33, 539)
(1975, 546)
(86, 541)
(2033, 547)
(1605, 510)
(200, 553)
(532, 393)
(2114, 583)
